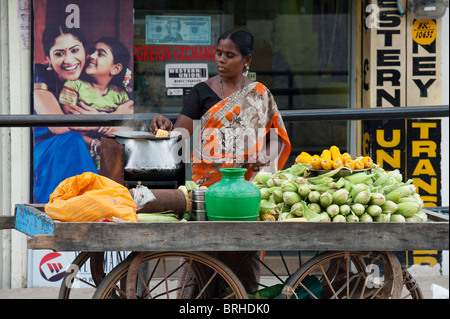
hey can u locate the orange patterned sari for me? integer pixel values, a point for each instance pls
(234, 131)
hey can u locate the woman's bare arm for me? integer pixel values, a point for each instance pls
(46, 103)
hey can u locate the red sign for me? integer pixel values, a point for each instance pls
(177, 53)
(51, 267)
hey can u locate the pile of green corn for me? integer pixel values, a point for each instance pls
(374, 195)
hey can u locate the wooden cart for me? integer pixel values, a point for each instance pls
(346, 260)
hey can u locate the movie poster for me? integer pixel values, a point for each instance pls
(83, 64)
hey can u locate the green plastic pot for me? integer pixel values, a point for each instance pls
(233, 198)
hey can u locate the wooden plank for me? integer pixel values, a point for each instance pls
(436, 216)
(32, 220)
(7, 222)
(111, 160)
(208, 236)
(41, 242)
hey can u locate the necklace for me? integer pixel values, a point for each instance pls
(221, 88)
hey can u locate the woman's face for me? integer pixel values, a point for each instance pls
(67, 57)
(101, 61)
(229, 60)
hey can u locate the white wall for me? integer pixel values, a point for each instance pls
(445, 101)
(15, 151)
(445, 130)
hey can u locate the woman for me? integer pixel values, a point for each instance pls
(240, 126)
(240, 122)
(60, 152)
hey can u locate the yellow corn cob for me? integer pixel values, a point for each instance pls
(358, 165)
(162, 133)
(335, 152)
(316, 162)
(327, 164)
(267, 217)
(326, 154)
(349, 163)
(304, 158)
(345, 156)
(367, 161)
(337, 163)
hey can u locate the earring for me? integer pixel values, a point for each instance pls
(246, 68)
(49, 68)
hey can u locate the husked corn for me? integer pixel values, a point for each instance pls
(326, 154)
(358, 164)
(162, 133)
(335, 152)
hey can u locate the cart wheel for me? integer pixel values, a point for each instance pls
(170, 275)
(350, 275)
(414, 291)
(96, 264)
(275, 267)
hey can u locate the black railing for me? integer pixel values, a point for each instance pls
(140, 119)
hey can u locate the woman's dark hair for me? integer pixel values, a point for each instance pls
(55, 30)
(242, 38)
(120, 54)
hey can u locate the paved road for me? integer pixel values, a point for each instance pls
(425, 283)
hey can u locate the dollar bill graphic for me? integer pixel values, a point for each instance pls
(183, 30)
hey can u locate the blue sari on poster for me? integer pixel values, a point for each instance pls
(56, 157)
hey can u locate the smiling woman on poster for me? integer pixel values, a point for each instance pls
(60, 152)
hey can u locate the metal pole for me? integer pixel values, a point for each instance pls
(137, 120)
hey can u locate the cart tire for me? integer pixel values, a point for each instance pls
(350, 275)
(96, 264)
(181, 275)
(71, 274)
(414, 291)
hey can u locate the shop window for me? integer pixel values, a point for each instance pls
(302, 54)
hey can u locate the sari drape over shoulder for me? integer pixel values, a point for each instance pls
(233, 131)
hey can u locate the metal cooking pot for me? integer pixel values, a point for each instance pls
(151, 158)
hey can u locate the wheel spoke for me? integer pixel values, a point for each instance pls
(166, 280)
(163, 280)
(307, 290)
(347, 261)
(328, 281)
(85, 281)
(206, 285)
(284, 263)
(185, 278)
(367, 275)
(271, 271)
(145, 285)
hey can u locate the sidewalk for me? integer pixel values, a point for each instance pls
(425, 282)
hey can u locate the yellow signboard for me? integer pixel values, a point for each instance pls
(424, 31)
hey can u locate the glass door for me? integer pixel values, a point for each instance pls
(302, 54)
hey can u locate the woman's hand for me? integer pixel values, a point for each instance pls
(160, 122)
